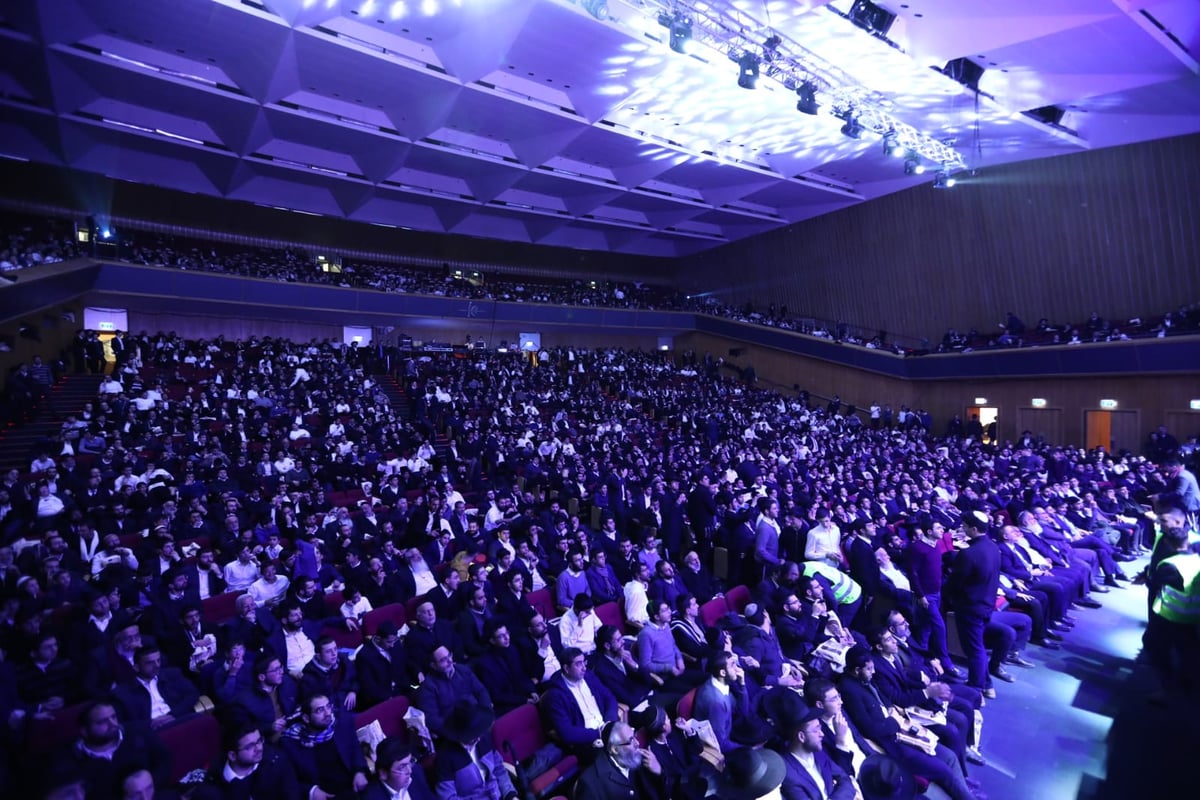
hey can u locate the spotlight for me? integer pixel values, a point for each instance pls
(807, 98)
(106, 233)
(597, 8)
(748, 70)
(913, 165)
(943, 180)
(891, 144)
(852, 129)
(680, 27)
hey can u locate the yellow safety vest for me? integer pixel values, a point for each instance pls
(1181, 605)
(845, 590)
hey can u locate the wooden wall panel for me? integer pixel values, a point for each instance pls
(1157, 399)
(1111, 230)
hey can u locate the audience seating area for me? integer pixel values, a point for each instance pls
(234, 507)
(30, 241)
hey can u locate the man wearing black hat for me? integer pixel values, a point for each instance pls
(624, 770)
(467, 766)
(810, 773)
(973, 585)
(750, 773)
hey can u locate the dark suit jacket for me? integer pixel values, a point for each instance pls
(438, 694)
(502, 672)
(976, 575)
(720, 711)
(274, 779)
(864, 569)
(629, 687)
(563, 715)
(380, 678)
(334, 684)
(259, 708)
(178, 692)
(799, 785)
(345, 741)
(864, 711)
(603, 781)
(417, 790)
(895, 686)
(1013, 565)
(841, 757)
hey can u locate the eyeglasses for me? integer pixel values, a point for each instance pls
(626, 743)
(257, 743)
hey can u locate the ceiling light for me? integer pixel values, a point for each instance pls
(807, 94)
(944, 180)
(748, 70)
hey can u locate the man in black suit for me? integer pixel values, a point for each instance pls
(324, 750)
(618, 670)
(382, 667)
(158, 695)
(623, 770)
(106, 749)
(503, 672)
(331, 675)
(866, 709)
(251, 768)
(427, 634)
(842, 742)
(972, 588)
(805, 759)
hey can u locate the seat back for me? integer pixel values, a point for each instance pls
(346, 639)
(220, 608)
(610, 614)
(518, 734)
(390, 714)
(738, 598)
(195, 743)
(686, 703)
(48, 735)
(392, 611)
(712, 611)
(543, 601)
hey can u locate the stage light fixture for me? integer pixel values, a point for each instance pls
(771, 47)
(944, 180)
(852, 129)
(748, 70)
(680, 27)
(806, 94)
(597, 8)
(891, 145)
(912, 164)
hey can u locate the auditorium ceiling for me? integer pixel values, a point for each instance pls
(536, 121)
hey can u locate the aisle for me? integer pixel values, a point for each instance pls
(1045, 736)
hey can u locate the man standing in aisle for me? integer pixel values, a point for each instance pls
(973, 586)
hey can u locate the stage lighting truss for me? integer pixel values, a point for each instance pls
(728, 31)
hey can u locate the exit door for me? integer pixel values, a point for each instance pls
(987, 415)
(1113, 430)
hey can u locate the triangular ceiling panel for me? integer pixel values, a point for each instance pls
(542, 105)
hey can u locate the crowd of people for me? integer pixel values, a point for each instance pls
(33, 241)
(780, 578)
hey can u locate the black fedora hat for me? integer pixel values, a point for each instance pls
(467, 722)
(750, 773)
(881, 778)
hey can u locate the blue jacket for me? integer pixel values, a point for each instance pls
(456, 776)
